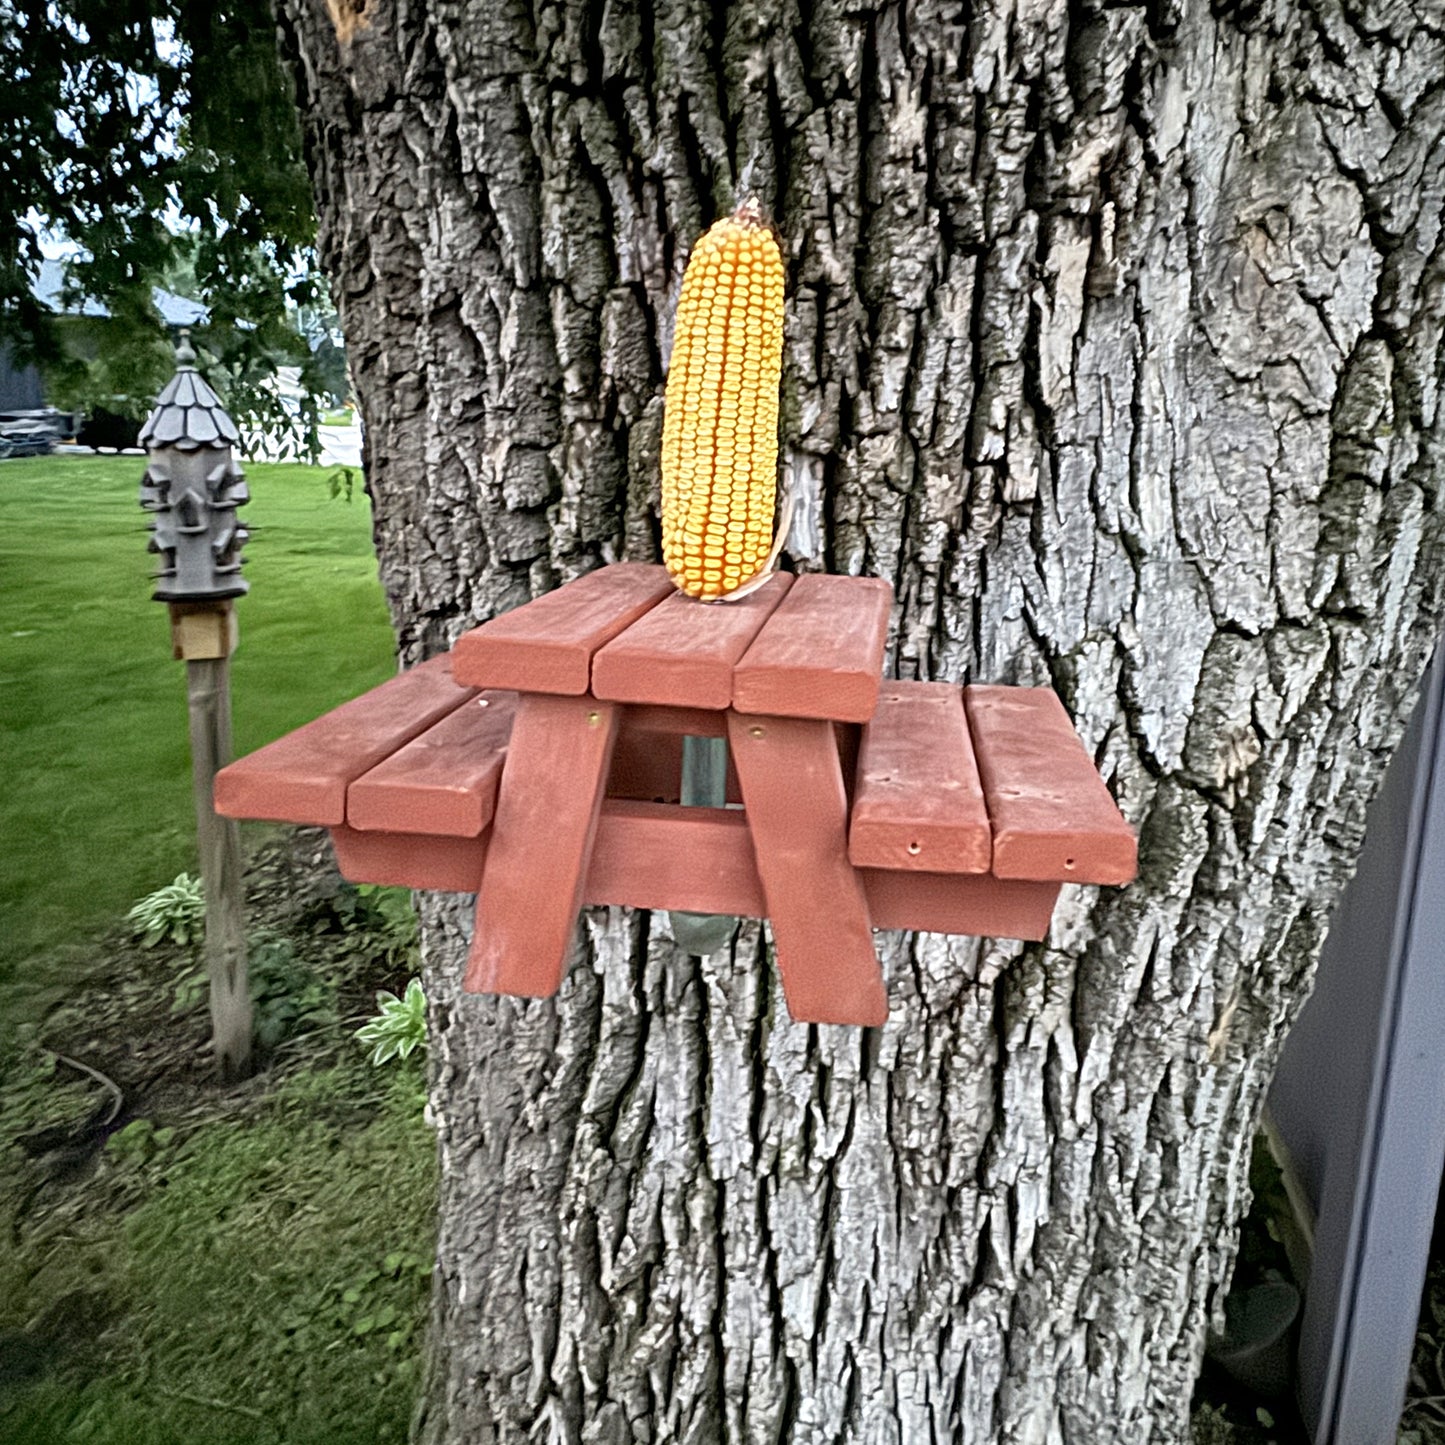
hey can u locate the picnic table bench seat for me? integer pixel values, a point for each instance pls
(538, 766)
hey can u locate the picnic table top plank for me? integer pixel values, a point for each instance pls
(682, 653)
(445, 779)
(546, 646)
(918, 802)
(820, 654)
(303, 777)
(1052, 815)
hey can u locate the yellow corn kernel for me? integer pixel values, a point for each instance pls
(720, 422)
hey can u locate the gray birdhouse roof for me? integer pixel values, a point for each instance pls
(188, 415)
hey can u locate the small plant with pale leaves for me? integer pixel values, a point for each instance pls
(173, 914)
(399, 1027)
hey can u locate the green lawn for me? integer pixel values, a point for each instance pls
(257, 1275)
(237, 1265)
(96, 808)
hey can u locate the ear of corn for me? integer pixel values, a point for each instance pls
(720, 423)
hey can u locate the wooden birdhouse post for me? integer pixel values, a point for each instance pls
(192, 488)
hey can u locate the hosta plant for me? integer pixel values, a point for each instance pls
(175, 913)
(399, 1026)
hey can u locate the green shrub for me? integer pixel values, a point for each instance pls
(287, 994)
(139, 1142)
(384, 913)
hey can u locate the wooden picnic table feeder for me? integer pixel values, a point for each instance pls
(538, 764)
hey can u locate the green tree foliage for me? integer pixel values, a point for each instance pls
(160, 139)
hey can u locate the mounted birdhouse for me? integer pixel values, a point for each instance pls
(192, 489)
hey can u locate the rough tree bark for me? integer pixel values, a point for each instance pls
(1115, 343)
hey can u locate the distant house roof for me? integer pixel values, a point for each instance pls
(175, 310)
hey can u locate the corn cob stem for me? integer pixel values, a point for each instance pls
(785, 522)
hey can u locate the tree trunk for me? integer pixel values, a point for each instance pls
(1114, 342)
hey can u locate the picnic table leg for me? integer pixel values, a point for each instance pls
(548, 803)
(797, 809)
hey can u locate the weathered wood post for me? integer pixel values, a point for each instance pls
(192, 487)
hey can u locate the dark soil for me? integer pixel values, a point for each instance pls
(122, 1021)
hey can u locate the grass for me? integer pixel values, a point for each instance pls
(270, 1284)
(237, 1266)
(96, 809)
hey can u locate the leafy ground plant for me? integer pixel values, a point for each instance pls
(175, 913)
(288, 995)
(385, 914)
(399, 1028)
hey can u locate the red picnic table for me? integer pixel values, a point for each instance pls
(538, 764)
